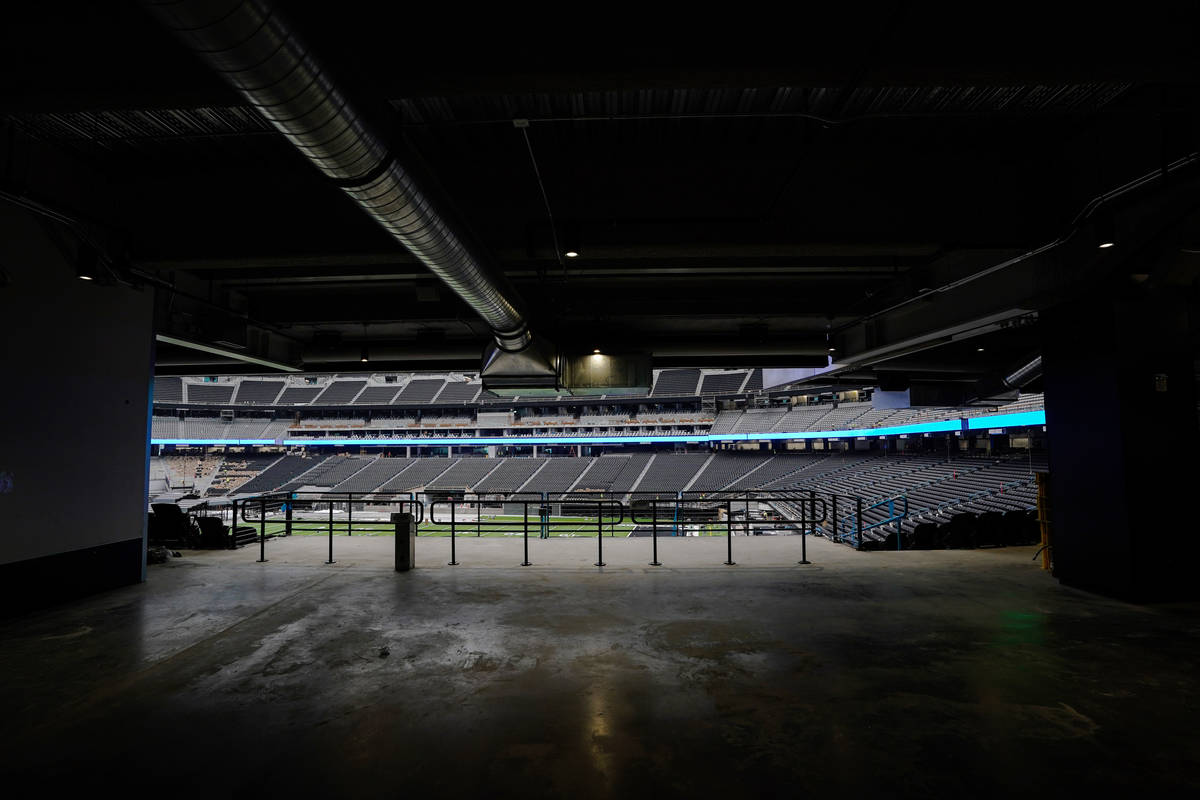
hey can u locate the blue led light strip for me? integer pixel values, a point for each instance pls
(206, 442)
(1017, 420)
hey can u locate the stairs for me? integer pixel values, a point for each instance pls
(641, 475)
(699, 472)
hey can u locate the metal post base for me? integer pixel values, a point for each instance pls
(451, 563)
(599, 564)
(330, 562)
(526, 564)
(261, 561)
(731, 563)
(803, 562)
(656, 563)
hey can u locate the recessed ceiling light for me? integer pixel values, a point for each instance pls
(978, 349)
(1106, 245)
(571, 254)
(85, 277)
(832, 349)
(596, 351)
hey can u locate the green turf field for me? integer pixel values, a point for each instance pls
(493, 526)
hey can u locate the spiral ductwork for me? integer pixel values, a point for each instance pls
(258, 54)
(1025, 374)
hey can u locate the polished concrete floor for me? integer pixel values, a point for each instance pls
(969, 674)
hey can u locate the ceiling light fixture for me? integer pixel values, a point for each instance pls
(978, 349)
(571, 254)
(85, 263)
(363, 357)
(1106, 231)
(596, 351)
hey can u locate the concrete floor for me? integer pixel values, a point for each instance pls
(865, 674)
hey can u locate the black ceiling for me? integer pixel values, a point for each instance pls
(750, 179)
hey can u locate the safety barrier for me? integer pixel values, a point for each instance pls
(686, 513)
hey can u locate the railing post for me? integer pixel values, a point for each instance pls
(525, 528)
(654, 532)
(287, 524)
(350, 513)
(543, 528)
(233, 527)
(895, 521)
(858, 521)
(453, 561)
(729, 562)
(330, 561)
(833, 522)
(804, 517)
(262, 529)
(600, 534)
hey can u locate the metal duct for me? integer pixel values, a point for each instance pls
(255, 51)
(1024, 374)
(1006, 387)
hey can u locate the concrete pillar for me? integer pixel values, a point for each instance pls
(75, 444)
(1122, 429)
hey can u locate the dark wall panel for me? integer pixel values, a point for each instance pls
(77, 359)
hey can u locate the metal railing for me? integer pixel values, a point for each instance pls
(606, 510)
(285, 505)
(746, 512)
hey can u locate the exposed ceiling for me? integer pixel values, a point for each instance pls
(740, 189)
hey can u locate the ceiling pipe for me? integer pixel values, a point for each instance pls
(261, 57)
(1007, 386)
(1024, 375)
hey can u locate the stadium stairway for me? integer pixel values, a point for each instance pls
(699, 472)
(637, 481)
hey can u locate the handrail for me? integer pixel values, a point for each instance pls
(947, 504)
(274, 501)
(801, 511)
(601, 505)
(936, 481)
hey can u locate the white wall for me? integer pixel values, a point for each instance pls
(76, 363)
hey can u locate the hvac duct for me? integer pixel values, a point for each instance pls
(257, 53)
(1006, 387)
(1025, 374)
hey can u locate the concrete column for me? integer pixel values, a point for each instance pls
(1122, 430)
(78, 358)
